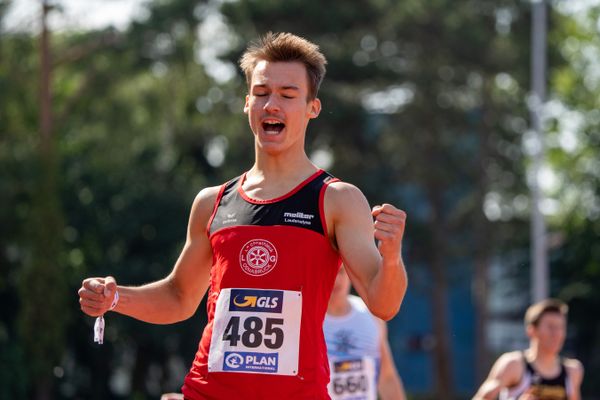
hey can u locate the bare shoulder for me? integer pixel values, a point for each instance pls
(511, 359)
(203, 206)
(342, 196)
(207, 196)
(509, 367)
(506, 372)
(573, 364)
(574, 367)
(343, 189)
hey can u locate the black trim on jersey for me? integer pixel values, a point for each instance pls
(538, 379)
(301, 209)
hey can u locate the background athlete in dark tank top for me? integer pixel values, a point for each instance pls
(538, 373)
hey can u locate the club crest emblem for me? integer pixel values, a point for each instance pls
(258, 257)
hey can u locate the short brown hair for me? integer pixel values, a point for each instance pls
(286, 47)
(535, 312)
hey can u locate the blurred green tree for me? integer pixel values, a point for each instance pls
(573, 190)
(130, 156)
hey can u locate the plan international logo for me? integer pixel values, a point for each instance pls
(243, 361)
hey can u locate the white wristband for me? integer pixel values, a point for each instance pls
(115, 301)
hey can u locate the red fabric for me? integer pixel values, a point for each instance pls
(306, 262)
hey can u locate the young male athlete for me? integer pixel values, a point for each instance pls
(538, 373)
(267, 246)
(361, 362)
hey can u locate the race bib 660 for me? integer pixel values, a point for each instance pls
(353, 379)
(256, 331)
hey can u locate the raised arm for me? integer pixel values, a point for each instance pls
(173, 298)
(505, 373)
(390, 385)
(377, 272)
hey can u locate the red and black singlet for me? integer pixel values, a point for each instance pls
(272, 274)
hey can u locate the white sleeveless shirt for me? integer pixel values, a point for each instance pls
(353, 347)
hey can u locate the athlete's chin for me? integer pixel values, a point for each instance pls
(554, 347)
(271, 147)
(270, 137)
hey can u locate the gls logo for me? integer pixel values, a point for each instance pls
(253, 301)
(256, 300)
(348, 365)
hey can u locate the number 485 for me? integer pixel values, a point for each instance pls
(252, 334)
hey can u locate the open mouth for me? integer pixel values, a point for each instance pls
(272, 127)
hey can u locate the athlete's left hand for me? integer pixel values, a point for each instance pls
(389, 229)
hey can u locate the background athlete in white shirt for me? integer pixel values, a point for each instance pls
(361, 361)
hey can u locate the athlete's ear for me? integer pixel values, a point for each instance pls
(530, 331)
(246, 104)
(315, 108)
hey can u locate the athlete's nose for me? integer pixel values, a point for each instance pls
(272, 104)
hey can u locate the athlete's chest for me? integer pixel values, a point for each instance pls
(301, 207)
(549, 388)
(301, 210)
(356, 336)
(281, 241)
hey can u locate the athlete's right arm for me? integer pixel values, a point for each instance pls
(173, 298)
(505, 373)
(575, 373)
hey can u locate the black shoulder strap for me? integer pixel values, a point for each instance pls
(528, 367)
(563, 370)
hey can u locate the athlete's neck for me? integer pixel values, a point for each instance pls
(338, 306)
(283, 162)
(545, 362)
(269, 180)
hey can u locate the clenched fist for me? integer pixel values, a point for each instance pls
(96, 295)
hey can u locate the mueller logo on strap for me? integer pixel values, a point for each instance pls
(258, 257)
(256, 300)
(298, 218)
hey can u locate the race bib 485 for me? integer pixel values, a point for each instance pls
(256, 331)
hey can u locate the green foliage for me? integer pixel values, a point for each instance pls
(574, 138)
(124, 176)
(42, 282)
(32, 222)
